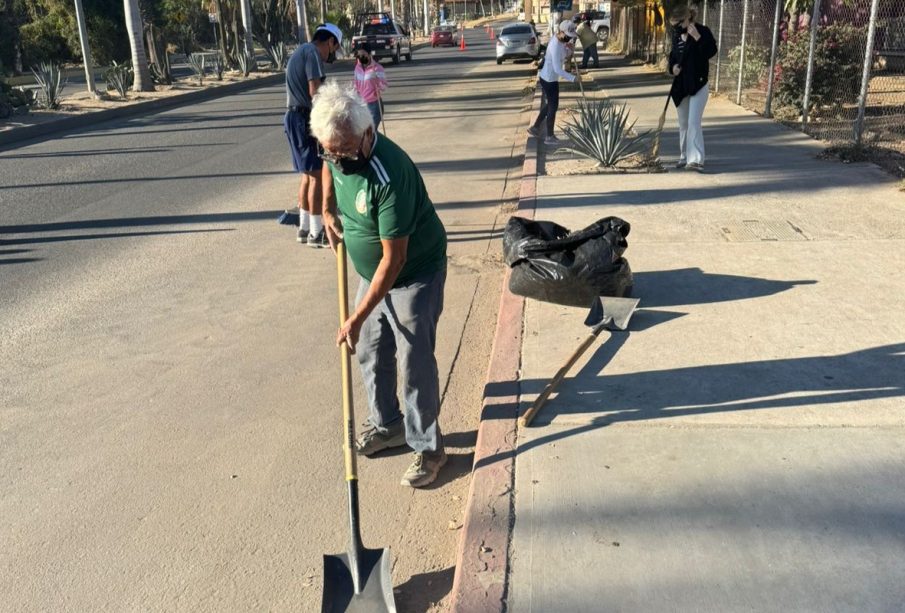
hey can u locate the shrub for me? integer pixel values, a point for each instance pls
(601, 131)
(838, 59)
(757, 60)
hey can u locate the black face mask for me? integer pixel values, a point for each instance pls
(365, 60)
(680, 29)
(351, 167)
(331, 57)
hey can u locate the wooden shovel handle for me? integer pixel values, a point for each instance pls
(525, 419)
(348, 407)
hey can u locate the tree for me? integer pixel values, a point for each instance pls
(143, 82)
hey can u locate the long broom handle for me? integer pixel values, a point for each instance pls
(348, 408)
(525, 420)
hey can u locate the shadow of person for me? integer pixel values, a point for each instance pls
(685, 286)
(457, 465)
(424, 590)
(461, 440)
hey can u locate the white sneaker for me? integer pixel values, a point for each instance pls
(532, 131)
(302, 236)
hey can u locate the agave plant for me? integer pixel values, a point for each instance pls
(218, 65)
(245, 62)
(276, 54)
(162, 74)
(197, 62)
(600, 130)
(119, 77)
(51, 83)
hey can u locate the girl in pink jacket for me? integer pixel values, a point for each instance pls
(370, 81)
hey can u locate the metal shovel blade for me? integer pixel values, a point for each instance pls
(374, 577)
(611, 313)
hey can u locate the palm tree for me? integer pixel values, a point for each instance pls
(142, 82)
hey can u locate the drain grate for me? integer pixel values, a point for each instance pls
(755, 230)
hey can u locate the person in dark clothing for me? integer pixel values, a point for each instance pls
(689, 62)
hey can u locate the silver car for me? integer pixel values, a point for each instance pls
(517, 40)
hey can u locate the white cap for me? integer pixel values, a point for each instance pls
(332, 29)
(568, 28)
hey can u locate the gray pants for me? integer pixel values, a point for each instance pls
(402, 331)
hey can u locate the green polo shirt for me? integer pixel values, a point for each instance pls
(388, 200)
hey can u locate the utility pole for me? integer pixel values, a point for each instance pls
(86, 50)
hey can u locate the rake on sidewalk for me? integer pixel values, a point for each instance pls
(606, 314)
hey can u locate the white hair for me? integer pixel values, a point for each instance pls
(337, 111)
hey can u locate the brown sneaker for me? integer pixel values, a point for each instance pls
(424, 469)
(372, 440)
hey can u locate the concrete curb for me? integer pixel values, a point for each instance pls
(482, 558)
(18, 135)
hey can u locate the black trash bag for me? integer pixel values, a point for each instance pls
(551, 264)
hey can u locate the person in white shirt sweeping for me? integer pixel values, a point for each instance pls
(553, 69)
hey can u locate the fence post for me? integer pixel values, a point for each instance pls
(809, 78)
(741, 59)
(768, 105)
(865, 76)
(719, 49)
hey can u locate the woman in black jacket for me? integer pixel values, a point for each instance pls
(689, 61)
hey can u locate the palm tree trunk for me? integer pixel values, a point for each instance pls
(302, 21)
(142, 82)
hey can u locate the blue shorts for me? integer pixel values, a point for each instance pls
(302, 145)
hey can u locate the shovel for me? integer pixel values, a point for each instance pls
(606, 313)
(360, 579)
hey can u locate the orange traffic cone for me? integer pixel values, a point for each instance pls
(462, 42)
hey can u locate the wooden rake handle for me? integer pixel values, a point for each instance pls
(525, 420)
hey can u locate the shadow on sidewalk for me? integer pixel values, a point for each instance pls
(686, 286)
(422, 591)
(859, 376)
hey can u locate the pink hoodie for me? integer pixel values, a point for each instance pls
(370, 80)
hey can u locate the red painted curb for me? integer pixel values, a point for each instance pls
(482, 559)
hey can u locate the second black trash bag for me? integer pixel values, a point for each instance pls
(550, 263)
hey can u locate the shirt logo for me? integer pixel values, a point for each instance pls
(361, 202)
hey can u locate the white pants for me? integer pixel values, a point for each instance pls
(691, 134)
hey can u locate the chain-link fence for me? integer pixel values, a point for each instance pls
(834, 68)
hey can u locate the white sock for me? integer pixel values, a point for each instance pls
(317, 224)
(304, 219)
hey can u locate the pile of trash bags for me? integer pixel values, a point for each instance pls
(550, 263)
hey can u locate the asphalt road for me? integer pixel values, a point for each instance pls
(170, 433)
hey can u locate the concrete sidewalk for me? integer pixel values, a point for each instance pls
(742, 447)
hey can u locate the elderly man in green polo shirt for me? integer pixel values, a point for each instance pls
(376, 202)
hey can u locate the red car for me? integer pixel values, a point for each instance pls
(442, 36)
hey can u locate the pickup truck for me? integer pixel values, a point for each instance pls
(385, 37)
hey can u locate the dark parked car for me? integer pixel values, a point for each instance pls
(385, 37)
